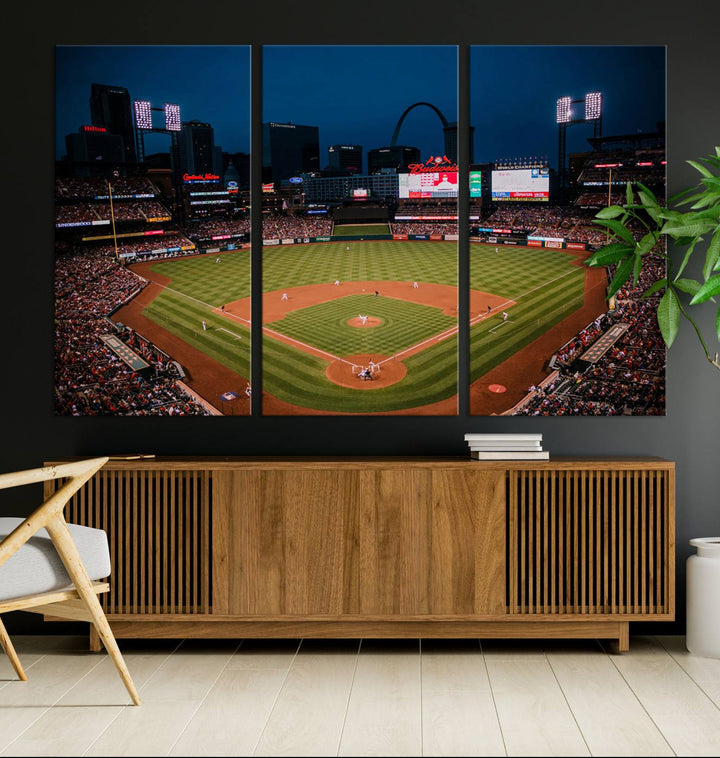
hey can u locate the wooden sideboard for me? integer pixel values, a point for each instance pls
(384, 547)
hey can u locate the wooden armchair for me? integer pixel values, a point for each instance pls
(49, 566)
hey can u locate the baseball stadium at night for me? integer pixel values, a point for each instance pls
(361, 247)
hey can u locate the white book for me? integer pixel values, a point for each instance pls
(531, 448)
(542, 455)
(502, 437)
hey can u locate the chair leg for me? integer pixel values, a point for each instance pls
(7, 646)
(70, 557)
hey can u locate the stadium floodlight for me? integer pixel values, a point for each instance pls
(143, 114)
(172, 117)
(564, 110)
(593, 106)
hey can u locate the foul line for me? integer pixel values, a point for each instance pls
(309, 348)
(223, 329)
(201, 302)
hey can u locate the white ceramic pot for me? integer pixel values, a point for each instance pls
(702, 635)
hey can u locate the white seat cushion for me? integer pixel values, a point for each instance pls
(36, 567)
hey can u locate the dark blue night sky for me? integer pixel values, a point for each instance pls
(514, 91)
(355, 94)
(210, 83)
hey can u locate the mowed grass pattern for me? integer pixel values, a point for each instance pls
(199, 285)
(324, 262)
(546, 284)
(326, 325)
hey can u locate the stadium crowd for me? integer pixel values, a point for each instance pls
(629, 379)
(96, 186)
(90, 379)
(217, 226)
(417, 227)
(282, 226)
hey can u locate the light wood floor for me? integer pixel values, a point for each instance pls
(357, 698)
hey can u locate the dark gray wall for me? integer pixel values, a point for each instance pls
(690, 432)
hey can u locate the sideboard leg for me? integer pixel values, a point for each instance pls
(622, 643)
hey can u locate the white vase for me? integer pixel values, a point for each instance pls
(702, 634)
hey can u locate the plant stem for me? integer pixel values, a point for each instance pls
(713, 361)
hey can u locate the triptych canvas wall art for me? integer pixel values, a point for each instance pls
(368, 222)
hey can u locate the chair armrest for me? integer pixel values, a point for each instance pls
(59, 471)
(77, 474)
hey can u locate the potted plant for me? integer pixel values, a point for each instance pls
(697, 229)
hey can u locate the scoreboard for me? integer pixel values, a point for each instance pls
(428, 184)
(521, 185)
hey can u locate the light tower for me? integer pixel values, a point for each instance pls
(593, 102)
(142, 111)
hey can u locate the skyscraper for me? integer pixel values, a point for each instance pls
(345, 158)
(450, 133)
(289, 150)
(110, 108)
(198, 153)
(396, 157)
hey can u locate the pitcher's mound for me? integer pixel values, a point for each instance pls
(346, 372)
(369, 321)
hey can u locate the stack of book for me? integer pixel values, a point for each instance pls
(504, 447)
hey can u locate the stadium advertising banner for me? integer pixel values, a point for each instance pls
(521, 185)
(428, 184)
(201, 178)
(476, 184)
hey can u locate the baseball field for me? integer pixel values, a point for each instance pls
(387, 307)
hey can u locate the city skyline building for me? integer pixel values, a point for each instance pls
(110, 108)
(289, 150)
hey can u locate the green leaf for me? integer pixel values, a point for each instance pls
(612, 211)
(651, 206)
(712, 160)
(637, 268)
(717, 325)
(699, 167)
(647, 243)
(668, 316)
(708, 290)
(653, 288)
(711, 182)
(712, 255)
(687, 285)
(708, 199)
(617, 228)
(609, 254)
(646, 190)
(686, 259)
(621, 275)
(629, 198)
(687, 228)
(682, 194)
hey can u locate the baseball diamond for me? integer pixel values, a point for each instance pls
(312, 339)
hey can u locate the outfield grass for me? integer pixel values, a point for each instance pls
(198, 285)
(544, 282)
(394, 261)
(547, 286)
(359, 230)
